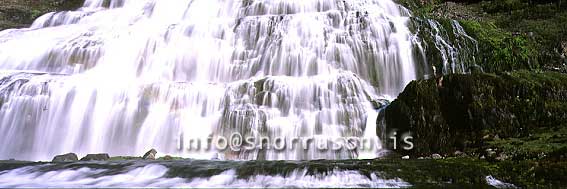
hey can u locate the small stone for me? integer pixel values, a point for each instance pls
(405, 157)
(502, 157)
(436, 156)
(167, 158)
(70, 157)
(150, 155)
(490, 153)
(420, 158)
(482, 157)
(96, 157)
(459, 154)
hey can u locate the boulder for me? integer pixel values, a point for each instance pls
(150, 155)
(96, 157)
(70, 157)
(436, 156)
(474, 112)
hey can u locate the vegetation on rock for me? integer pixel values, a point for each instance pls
(512, 34)
(509, 120)
(475, 112)
(21, 13)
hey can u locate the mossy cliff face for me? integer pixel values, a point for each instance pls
(21, 13)
(500, 50)
(520, 34)
(509, 120)
(511, 34)
(519, 115)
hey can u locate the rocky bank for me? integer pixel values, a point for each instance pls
(508, 114)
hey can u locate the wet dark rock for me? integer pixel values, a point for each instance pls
(96, 157)
(520, 113)
(456, 11)
(379, 103)
(70, 157)
(150, 155)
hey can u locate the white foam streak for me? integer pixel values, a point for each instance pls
(156, 176)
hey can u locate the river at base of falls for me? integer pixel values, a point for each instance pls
(193, 173)
(189, 173)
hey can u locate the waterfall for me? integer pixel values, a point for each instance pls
(125, 76)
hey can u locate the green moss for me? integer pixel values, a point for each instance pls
(22, 13)
(512, 34)
(546, 24)
(500, 50)
(545, 143)
(472, 172)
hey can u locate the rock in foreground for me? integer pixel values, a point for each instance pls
(519, 115)
(150, 155)
(96, 157)
(70, 157)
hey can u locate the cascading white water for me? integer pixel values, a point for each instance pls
(124, 76)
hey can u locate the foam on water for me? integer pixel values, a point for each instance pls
(154, 175)
(490, 180)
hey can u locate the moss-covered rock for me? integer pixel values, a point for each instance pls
(499, 50)
(512, 34)
(474, 112)
(22, 13)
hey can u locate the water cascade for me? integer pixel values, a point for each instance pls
(124, 76)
